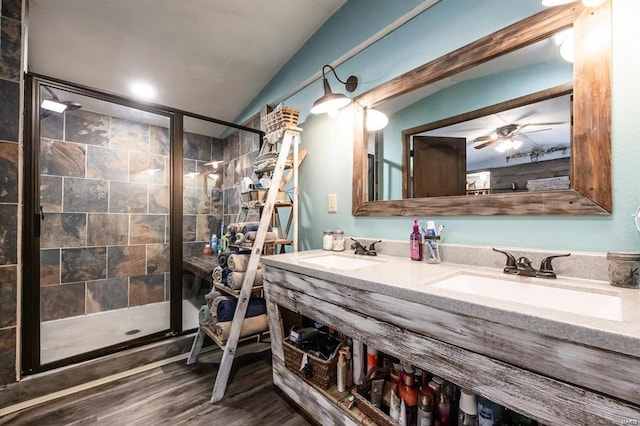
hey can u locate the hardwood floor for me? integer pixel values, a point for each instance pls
(174, 394)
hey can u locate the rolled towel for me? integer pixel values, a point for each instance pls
(222, 258)
(227, 308)
(225, 275)
(253, 325)
(269, 236)
(209, 297)
(238, 262)
(217, 301)
(213, 307)
(249, 227)
(217, 274)
(234, 280)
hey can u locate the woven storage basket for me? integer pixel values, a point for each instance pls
(323, 372)
(282, 116)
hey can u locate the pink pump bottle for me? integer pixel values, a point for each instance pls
(415, 242)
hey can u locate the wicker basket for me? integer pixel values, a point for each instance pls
(323, 372)
(370, 410)
(282, 116)
(362, 393)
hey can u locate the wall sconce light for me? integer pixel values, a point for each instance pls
(331, 102)
(587, 3)
(376, 120)
(56, 105)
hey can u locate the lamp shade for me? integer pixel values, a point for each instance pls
(376, 120)
(329, 101)
(53, 105)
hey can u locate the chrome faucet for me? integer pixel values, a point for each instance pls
(522, 266)
(358, 248)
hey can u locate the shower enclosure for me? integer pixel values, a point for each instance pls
(116, 194)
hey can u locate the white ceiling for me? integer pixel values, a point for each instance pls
(210, 57)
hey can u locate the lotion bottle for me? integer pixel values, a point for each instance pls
(415, 242)
(342, 372)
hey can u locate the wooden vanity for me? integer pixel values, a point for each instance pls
(557, 368)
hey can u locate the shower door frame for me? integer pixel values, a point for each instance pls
(30, 316)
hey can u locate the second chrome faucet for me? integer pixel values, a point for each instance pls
(522, 266)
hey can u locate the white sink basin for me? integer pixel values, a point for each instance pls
(339, 262)
(574, 301)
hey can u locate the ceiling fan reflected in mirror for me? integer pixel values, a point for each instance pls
(508, 136)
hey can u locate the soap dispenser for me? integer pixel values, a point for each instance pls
(415, 242)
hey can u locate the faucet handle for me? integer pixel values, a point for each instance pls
(358, 247)
(511, 267)
(546, 266)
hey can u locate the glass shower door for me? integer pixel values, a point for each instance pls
(104, 238)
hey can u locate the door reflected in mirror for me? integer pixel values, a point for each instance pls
(520, 149)
(510, 116)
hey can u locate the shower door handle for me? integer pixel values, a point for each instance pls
(39, 219)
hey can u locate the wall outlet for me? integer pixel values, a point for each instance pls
(332, 203)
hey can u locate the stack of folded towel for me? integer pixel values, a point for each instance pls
(245, 233)
(223, 309)
(232, 274)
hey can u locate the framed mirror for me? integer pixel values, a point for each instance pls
(563, 117)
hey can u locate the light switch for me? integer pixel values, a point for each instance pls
(332, 203)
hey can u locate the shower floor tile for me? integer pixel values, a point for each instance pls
(67, 337)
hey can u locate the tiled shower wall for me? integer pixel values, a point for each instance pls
(202, 193)
(105, 237)
(10, 152)
(240, 151)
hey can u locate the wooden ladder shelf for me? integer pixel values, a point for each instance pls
(289, 141)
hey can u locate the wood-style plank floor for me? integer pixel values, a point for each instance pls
(174, 394)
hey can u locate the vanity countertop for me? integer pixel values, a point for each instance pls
(414, 281)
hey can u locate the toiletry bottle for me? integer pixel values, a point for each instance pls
(342, 372)
(468, 410)
(214, 243)
(489, 412)
(409, 394)
(415, 242)
(433, 252)
(435, 386)
(425, 409)
(358, 362)
(347, 356)
(372, 357)
(444, 409)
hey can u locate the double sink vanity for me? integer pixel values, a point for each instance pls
(564, 351)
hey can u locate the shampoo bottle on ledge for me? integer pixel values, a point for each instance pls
(415, 242)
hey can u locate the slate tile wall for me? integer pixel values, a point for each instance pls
(202, 203)
(10, 148)
(240, 151)
(106, 215)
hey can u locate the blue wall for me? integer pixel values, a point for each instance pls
(446, 26)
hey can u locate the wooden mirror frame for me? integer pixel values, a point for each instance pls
(590, 189)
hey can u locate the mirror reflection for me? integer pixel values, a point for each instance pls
(503, 126)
